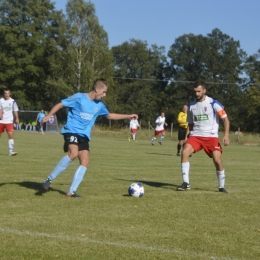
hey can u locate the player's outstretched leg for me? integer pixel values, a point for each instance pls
(60, 167)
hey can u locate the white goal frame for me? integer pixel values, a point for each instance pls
(30, 115)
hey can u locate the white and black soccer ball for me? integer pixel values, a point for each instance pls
(136, 190)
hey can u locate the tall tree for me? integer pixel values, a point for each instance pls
(27, 28)
(86, 53)
(139, 78)
(216, 59)
(252, 68)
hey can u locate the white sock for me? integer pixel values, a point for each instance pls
(162, 136)
(11, 145)
(185, 169)
(221, 178)
(153, 139)
(134, 137)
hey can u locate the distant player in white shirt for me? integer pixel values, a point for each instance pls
(9, 107)
(133, 128)
(203, 119)
(159, 129)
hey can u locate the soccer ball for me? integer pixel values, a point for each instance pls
(136, 190)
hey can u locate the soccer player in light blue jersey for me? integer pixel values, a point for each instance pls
(39, 127)
(84, 108)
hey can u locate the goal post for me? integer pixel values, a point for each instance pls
(28, 122)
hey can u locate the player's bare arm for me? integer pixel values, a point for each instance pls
(226, 140)
(114, 116)
(16, 117)
(52, 112)
(188, 129)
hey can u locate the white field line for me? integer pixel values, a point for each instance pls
(87, 240)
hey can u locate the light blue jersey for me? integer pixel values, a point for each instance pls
(40, 116)
(82, 114)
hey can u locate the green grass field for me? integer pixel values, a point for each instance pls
(108, 224)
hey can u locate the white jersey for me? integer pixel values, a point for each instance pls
(205, 117)
(8, 107)
(160, 121)
(134, 124)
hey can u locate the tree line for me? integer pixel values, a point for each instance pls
(47, 55)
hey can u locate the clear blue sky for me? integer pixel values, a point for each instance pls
(162, 21)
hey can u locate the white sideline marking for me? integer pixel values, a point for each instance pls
(87, 240)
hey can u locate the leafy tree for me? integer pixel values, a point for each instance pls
(252, 68)
(217, 59)
(253, 93)
(85, 51)
(139, 78)
(27, 29)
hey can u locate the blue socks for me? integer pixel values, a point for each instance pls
(78, 177)
(61, 166)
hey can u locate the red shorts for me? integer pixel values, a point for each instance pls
(8, 127)
(133, 131)
(159, 132)
(208, 144)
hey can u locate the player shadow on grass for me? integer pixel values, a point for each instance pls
(34, 186)
(164, 185)
(153, 183)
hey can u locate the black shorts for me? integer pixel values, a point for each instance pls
(39, 124)
(81, 142)
(181, 133)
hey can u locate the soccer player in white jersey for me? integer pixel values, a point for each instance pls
(133, 128)
(159, 129)
(203, 119)
(9, 108)
(84, 108)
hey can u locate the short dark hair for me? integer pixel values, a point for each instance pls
(199, 83)
(6, 89)
(99, 82)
